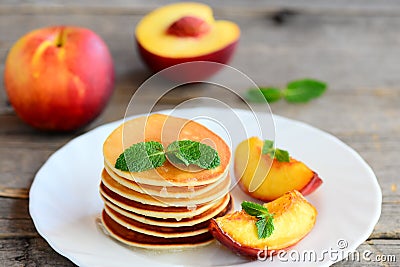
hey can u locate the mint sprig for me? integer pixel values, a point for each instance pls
(264, 224)
(298, 91)
(279, 154)
(149, 155)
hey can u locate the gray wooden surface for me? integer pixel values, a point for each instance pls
(355, 47)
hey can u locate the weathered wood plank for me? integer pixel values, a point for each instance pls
(388, 226)
(13, 209)
(17, 228)
(387, 7)
(383, 252)
(18, 169)
(29, 251)
(14, 192)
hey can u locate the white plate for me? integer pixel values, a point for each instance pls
(64, 201)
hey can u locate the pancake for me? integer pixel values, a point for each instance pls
(217, 192)
(133, 238)
(163, 191)
(163, 231)
(176, 213)
(207, 215)
(160, 231)
(165, 129)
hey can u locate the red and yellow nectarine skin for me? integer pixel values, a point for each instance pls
(263, 178)
(294, 217)
(195, 71)
(59, 78)
(185, 32)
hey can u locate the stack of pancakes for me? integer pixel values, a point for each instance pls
(167, 207)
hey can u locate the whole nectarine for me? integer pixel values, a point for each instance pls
(59, 78)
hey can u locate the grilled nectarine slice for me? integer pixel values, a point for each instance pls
(267, 179)
(293, 218)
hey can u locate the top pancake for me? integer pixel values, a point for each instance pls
(165, 129)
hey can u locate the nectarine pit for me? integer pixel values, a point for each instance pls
(188, 26)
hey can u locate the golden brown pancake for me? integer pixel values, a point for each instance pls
(165, 129)
(176, 213)
(133, 238)
(163, 191)
(160, 231)
(134, 233)
(217, 192)
(208, 214)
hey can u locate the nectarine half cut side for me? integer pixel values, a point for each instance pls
(185, 32)
(293, 218)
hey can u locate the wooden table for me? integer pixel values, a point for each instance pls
(354, 47)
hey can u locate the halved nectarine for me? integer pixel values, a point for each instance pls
(185, 32)
(267, 179)
(293, 218)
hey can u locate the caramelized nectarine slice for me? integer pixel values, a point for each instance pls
(294, 217)
(267, 179)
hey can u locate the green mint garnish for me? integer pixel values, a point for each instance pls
(279, 154)
(149, 155)
(265, 227)
(193, 152)
(303, 90)
(299, 91)
(268, 147)
(264, 224)
(141, 157)
(262, 94)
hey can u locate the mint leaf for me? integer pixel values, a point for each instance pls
(297, 91)
(268, 146)
(265, 227)
(209, 158)
(254, 209)
(141, 157)
(271, 94)
(301, 91)
(279, 154)
(193, 152)
(282, 155)
(260, 95)
(184, 152)
(255, 95)
(264, 224)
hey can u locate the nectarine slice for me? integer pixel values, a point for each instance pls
(293, 218)
(267, 179)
